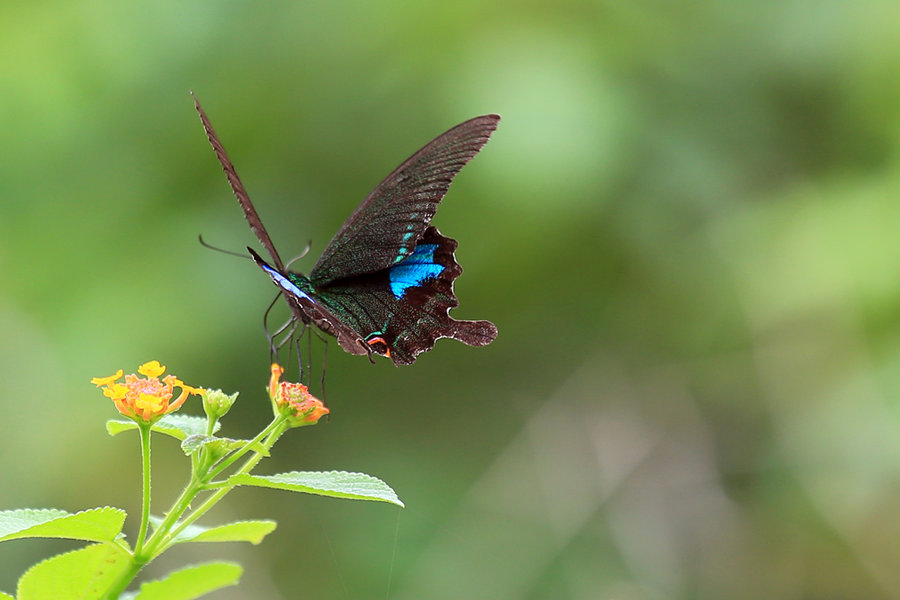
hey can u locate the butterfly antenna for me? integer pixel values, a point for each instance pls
(299, 256)
(206, 244)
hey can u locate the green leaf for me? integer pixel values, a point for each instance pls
(5, 596)
(239, 531)
(177, 426)
(191, 582)
(84, 574)
(337, 484)
(94, 525)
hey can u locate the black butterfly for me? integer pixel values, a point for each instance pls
(384, 284)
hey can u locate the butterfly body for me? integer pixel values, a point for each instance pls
(384, 284)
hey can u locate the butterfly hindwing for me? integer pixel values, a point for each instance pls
(400, 311)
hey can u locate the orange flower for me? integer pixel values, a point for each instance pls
(145, 398)
(294, 401)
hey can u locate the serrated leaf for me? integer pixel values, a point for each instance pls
(193, 443)
(83, 574)
(217, 446)
(177, 426)
(191, 582)
(14, 521)
(5, 596)
(337, 484)
(94, 525)
(238, 531)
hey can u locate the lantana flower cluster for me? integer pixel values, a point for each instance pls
(148, 398)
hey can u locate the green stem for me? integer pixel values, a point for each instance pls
(249, 446)
(274, 431)
(144, 428)
(137, 560)
(127, 576)
(181, 504)
(164, 534)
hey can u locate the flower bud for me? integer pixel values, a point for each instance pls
(217, 403)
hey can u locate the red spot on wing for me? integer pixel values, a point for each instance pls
(379, 340)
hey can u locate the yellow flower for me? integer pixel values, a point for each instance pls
(145, 398)
(98, 381)
(152, 369)
(294, 401)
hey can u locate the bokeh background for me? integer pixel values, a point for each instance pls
(685, 229)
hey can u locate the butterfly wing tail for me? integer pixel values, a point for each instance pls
(430, 304)
(475, 333)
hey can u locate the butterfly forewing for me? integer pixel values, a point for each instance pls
(387, 226)
(238, 188)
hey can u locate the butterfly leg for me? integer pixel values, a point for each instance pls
(324, 340)
(286, 332)
(308, 356)
(300, 355)
(270, 337)
(324, 368)
(290, 338)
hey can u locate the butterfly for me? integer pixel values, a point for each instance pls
(384, 284)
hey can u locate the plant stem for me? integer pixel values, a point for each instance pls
(275, 429)
(144, 429)
(181, 504)
(146, 549)
(137, 560)
(270, 428)
(116, 589)
(164, 534)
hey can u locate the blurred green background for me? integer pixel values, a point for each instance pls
(684, 228)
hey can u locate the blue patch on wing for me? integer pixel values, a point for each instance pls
(414, 269)
(285, 283)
